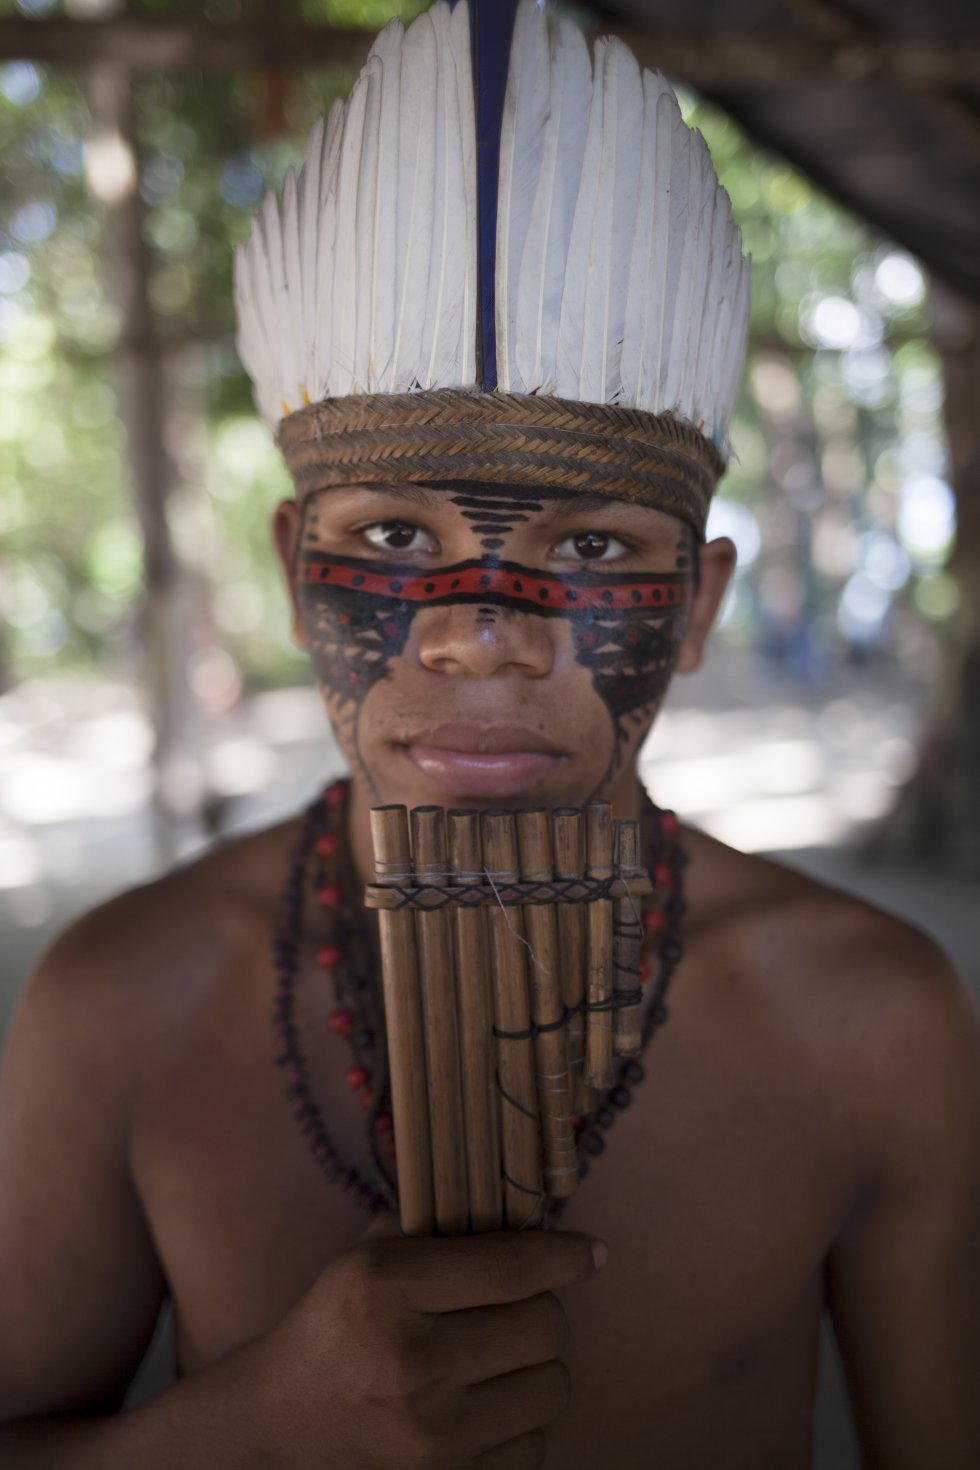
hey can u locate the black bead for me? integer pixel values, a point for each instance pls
(595, 1143)
(583, 1168)
(658, 1015)
(605, 1117)
(620, 1097)
(633, 1072)
(676, 907)
(671, 951)
(364, 1038)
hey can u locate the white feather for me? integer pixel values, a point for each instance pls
(439, 355)
(729, 365)
(413, 210)
(525, 116)
(622, 135)
(293, 282)
(605, 214)
(459, 46)
(646, 290)
(387, 50)
(570, 366)
(326, 237)
(680, 264)
(309, 219)
(700, 221)
(542, 266)
(717, 306)
(253, 346)
(347, 268)
(365, 240)
(270, 278)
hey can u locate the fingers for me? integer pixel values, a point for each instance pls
(495, 1340)
(527, 1452)
(515, 1404)
(451, 1274)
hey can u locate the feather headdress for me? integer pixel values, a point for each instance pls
(492, 210)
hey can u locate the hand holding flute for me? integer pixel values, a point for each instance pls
(425, 1354)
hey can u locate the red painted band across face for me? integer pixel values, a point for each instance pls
(516, 586)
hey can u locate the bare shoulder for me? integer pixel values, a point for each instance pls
(140, 960)
(869, 1006)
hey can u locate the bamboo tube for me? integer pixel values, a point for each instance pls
(433, 932)
(523, 1180)
(572, 921)
(550, 1052)
(599, 1070)
(481, 1099)
(627, 942)
(403, 1021)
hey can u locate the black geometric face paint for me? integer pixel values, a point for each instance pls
(494, 510)
(626, 627)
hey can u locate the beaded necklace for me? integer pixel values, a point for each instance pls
(346, 956)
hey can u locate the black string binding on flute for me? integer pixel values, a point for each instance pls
(615, 1002)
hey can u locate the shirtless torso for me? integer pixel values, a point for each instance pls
(749, 1180)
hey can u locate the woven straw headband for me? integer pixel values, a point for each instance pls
(504, 438)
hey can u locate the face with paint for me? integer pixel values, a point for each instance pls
(487, 644)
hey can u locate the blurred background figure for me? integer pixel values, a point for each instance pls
(150, 695)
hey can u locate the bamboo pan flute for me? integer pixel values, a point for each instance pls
(510, 955)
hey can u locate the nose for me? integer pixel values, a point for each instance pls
(484, 642)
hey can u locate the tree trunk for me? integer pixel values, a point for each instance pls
(112, 166)
(938, 814)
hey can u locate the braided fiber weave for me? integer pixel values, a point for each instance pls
(503, 438)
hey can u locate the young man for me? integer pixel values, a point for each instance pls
(495, 588)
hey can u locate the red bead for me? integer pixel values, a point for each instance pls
(367, 1099)
(327, 845)
(329, 895)
(576, 1121)
(663, 876)
(384, 1122)
(669, 822)
(357, 1076)
(389, 1147)
(329, 955)
(334, 795)
(653, 920)
(644, 972)
(341, 1020)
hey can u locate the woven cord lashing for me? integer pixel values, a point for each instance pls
(504, 438)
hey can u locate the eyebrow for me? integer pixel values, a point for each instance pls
(585, 504)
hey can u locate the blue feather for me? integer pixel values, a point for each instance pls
(492, 30)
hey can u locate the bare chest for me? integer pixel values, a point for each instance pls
(718, 1207)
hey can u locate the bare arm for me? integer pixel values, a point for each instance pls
(905, 1274)
(79, 1279)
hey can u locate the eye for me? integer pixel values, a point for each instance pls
(398, 536)
(591, 546)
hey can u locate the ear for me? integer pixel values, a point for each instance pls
(286, 526)
(717, 562)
